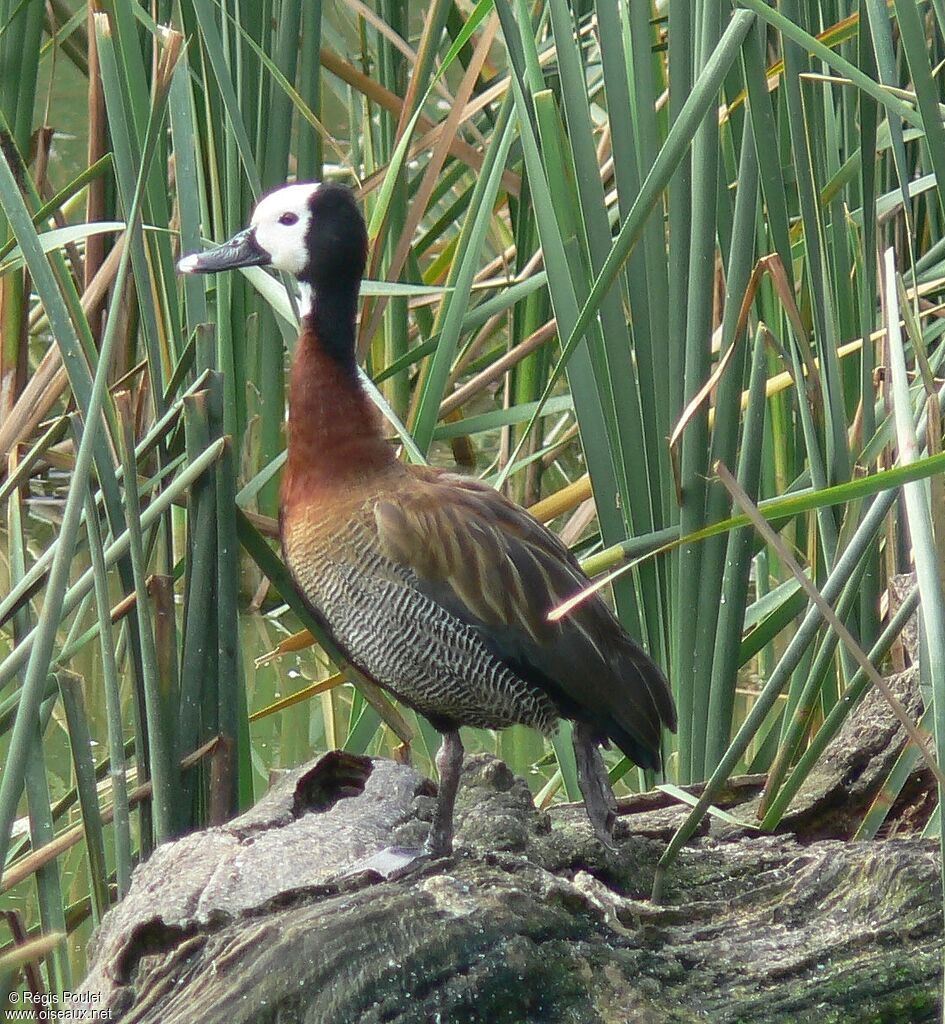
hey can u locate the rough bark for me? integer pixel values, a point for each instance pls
(284, 915)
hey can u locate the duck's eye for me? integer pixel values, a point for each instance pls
(288, 219)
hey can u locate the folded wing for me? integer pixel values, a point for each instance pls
(497, 568)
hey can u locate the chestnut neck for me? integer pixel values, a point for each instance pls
(334, 432)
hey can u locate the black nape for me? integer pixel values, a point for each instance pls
(337, 246)
(337, 237)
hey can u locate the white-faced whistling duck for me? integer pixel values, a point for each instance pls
(434, 585)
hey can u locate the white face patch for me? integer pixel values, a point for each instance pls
(280, 222)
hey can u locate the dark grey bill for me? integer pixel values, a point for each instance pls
(242, 250)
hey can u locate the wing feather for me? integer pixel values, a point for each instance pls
(498, 568)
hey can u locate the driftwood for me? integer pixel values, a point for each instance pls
(285, 915)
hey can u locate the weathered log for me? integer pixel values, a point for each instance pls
(290, 912)
(280, 916)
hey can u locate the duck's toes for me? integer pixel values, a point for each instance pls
(393, 862)
(602, 820)
(440, 841)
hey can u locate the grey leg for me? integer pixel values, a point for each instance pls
(595, 785)
(449, 763)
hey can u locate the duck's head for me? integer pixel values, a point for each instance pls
(313, 231)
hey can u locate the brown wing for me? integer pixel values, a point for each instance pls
(496, 567)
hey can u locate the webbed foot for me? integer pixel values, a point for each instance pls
(393, 862)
